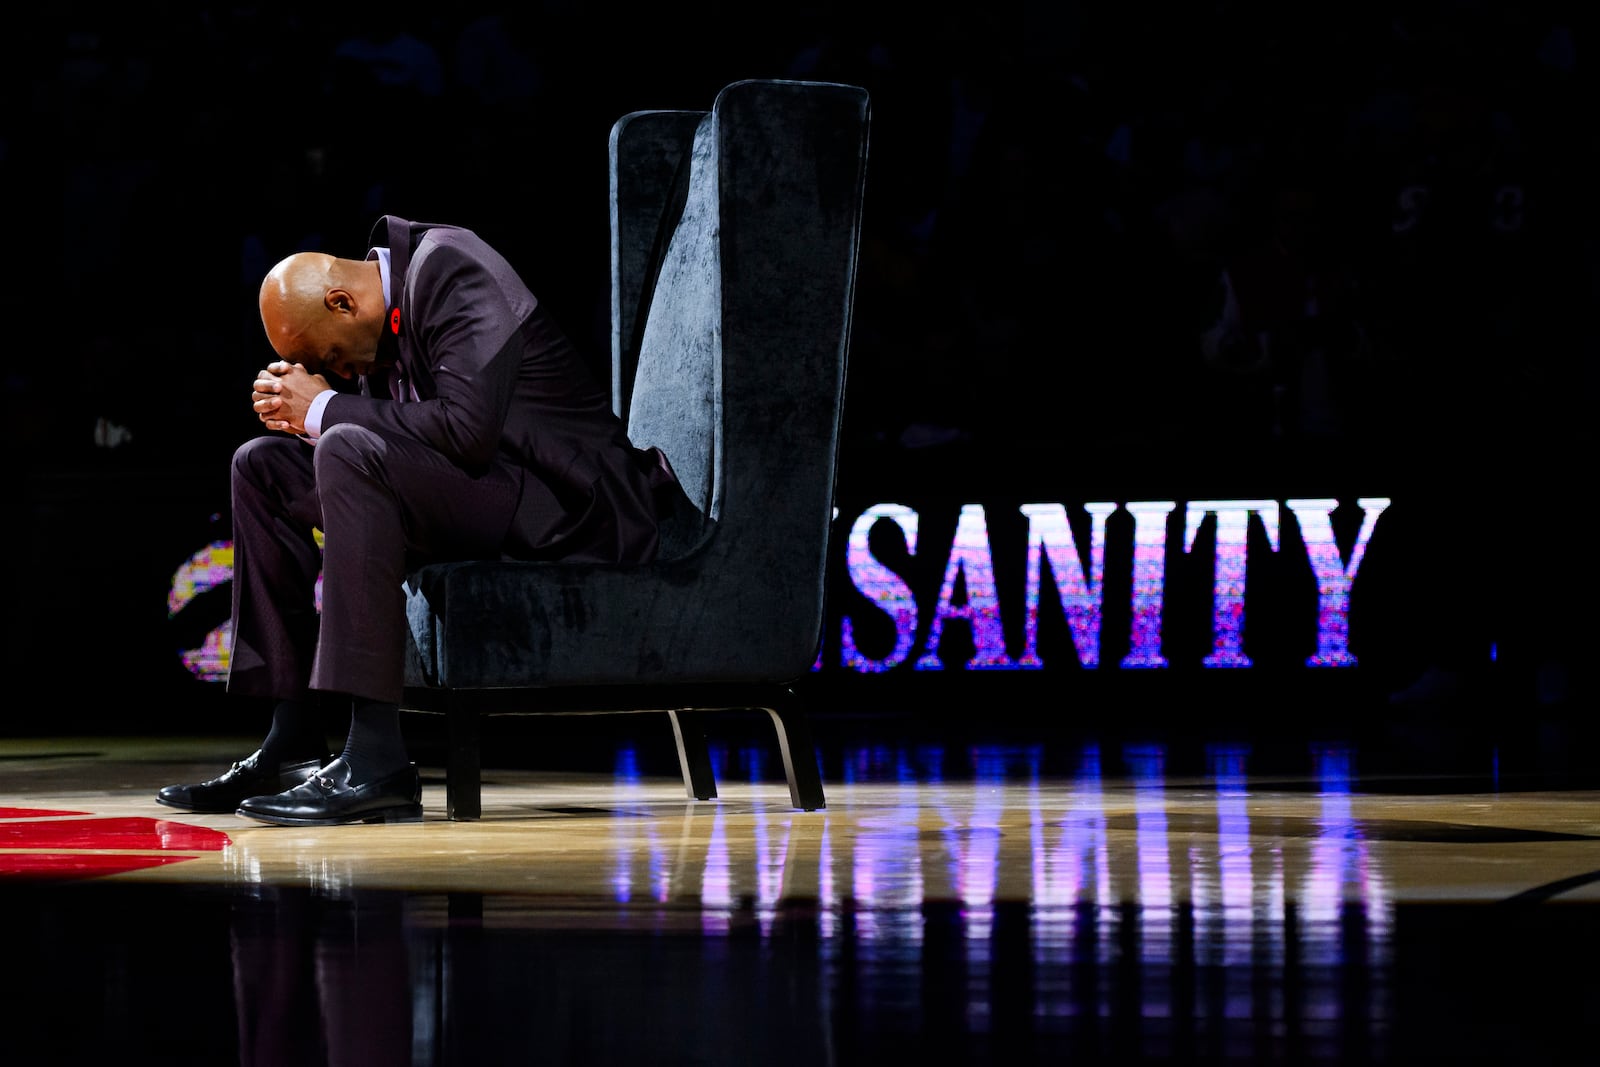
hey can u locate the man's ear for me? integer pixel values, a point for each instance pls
(339, 300)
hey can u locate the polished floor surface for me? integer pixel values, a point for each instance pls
(975, 899)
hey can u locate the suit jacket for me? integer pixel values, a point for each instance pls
(497, 382)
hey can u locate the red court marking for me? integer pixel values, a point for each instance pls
(33, 813)
(46, 848)
(127, 832)
(82, 864)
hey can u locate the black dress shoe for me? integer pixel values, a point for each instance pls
(328, 797)
(249, 777)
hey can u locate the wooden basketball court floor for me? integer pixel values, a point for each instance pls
(973, 898)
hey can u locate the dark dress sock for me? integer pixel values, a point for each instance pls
(374, 747)
(296, 734)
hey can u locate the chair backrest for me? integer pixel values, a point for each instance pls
(743, 220)
(661, 244)
(734, 253)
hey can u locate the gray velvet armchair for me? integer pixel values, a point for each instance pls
(734, 240)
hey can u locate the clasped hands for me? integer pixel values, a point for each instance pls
(282, 395)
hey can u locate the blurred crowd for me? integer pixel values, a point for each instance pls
(1219, 236)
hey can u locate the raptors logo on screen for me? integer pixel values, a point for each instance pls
(208, 571)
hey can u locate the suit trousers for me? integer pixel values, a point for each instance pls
(382, 505)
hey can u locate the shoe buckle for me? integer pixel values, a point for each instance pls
(218, 779)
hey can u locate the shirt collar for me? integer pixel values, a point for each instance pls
(382, 256)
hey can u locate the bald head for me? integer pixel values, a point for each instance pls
(324, 312)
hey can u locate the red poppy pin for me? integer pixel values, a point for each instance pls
(394, 321)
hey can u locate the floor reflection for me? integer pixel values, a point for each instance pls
(320, 980)
(381, 977)
(981, 906)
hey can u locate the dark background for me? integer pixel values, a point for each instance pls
(1110, 252)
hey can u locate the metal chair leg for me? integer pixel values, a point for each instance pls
(694, 756)
(799, 754)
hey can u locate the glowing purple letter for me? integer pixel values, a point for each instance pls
(970, 557)
(1227, 593)
(1334, 576)
(880, 585)
(1149, 576)
(1050, 541)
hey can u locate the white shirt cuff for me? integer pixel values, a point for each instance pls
(314, 413)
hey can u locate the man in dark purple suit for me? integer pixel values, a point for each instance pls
(477, 432)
